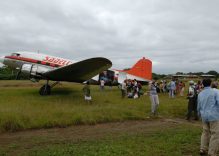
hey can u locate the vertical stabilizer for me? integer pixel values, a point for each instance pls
(143, 69)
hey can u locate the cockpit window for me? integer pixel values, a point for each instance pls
(15, 54)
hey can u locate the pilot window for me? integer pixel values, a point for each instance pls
(15, 54)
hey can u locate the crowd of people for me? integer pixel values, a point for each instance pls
(131, 89)
(172, 87)
(203, 100)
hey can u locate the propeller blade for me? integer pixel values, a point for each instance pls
(18, 75)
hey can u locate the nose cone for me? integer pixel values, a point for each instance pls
(2, 60)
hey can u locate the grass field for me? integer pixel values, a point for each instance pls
(129, 138)
(177, 142)
(127, 130)
(21, 107)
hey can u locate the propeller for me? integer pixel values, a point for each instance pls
(18, 73)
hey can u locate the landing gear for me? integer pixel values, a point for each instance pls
(46, 89)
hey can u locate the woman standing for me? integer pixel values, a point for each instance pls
(154, 98)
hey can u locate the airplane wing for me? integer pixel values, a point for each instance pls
(79, 71)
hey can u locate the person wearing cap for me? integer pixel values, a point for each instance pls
(153, 97)
(192, 103)
(208, 109)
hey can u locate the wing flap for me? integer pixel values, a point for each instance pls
(79, 71)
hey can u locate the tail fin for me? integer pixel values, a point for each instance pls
(143, 69)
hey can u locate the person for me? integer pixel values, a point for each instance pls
(129, 86)
(157, 85)
(135, 83)
(182, 88)
(161, 86)
(140, 91)
(153, 97)
(130, 94)
(199, 87)
(135, 95)
(192, 103)
(135, 92)
(172, 88)
(165, 86)
(214, 85)
(176, 91)
(102, 83)
(86, 90)
(110, 84)
(123, 89)
(208, 109)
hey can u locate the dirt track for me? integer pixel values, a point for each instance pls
(27, 139)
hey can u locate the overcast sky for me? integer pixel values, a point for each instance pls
(177, 35)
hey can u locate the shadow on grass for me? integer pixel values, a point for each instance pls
(54, 92)
(63, 91)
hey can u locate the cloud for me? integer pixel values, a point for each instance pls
(176, 35)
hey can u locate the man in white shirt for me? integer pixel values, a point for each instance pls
(192, 103)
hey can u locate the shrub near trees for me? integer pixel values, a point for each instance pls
(158, 76)
(7, 74)
(162, 76)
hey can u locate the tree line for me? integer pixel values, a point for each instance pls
(156, 76)
(9, 74)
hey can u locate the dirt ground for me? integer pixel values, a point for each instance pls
(24, 140)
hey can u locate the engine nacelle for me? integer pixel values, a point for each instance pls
(33, 70)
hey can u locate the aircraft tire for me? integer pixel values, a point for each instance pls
(45, 90)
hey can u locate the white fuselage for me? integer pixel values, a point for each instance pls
(18, 59)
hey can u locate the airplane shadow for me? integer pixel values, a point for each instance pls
(61, 91)
(54, 92)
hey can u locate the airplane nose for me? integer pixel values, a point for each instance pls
(2, 59)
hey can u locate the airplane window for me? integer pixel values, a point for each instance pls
(15, 54)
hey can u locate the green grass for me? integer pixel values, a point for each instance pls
(177, 141)
(21, 107)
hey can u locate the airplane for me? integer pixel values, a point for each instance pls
(45, 67)
(141, 71)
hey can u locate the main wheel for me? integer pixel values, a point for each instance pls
(45, 90)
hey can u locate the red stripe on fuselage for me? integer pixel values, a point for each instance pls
(32, 61)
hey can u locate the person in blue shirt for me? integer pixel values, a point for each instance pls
(172, 88)
(208, 109)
